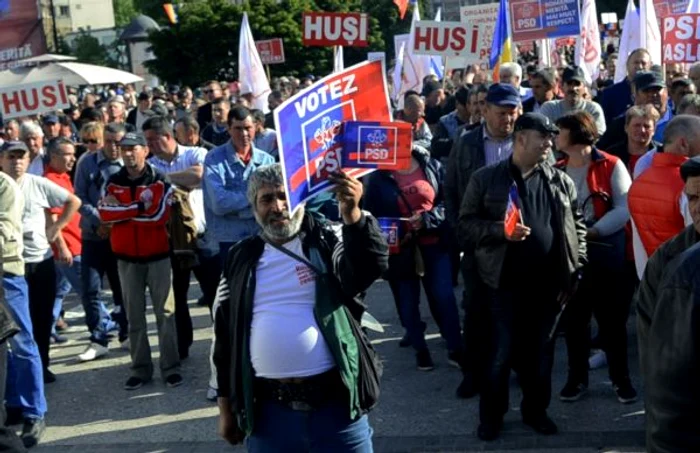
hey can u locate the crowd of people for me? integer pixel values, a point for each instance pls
(550, 198)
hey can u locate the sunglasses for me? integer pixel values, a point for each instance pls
(207, 91)
(91, 141)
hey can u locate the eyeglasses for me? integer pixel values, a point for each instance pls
(207, 91)
(91, 141)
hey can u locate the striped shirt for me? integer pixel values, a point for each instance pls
(496, 150)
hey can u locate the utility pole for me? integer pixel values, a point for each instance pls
(53, 26)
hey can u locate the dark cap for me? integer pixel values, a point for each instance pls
(574, 73)
(429, 87)
(536, 122)
(144, 96)
(49, 119)
(690, 168)
(132, 139)
(503, 94)
(645, 80)
(14, 145)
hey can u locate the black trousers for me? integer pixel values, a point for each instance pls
(602, 293)
(207, 273)
(475, 329)
(519, 322)
(41, 282)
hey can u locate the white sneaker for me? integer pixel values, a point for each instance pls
(93, 351)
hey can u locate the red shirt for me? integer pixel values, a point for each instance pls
(419, 194)
(71, 233)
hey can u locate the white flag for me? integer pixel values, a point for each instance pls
(251, 73)
(400, 47)
(338, 64)
(629, 41)
(436, 62)
(693, 7)
(415, 67)
(588, 52)
(650, 33)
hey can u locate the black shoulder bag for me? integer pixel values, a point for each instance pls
(371, 368)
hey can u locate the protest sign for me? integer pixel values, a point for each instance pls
(532, 20)
(481, 15)
(375, 56)
(665, 8)
(377, 145)
(680, 38)
(309, 124)
(446, 39)
(33, 99)
(335, 29)
(271, 51)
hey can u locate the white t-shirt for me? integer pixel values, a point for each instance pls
(285, 340)
(40, 194)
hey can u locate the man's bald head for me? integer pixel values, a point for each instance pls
(413, 108)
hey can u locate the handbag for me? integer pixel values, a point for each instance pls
(370, 367)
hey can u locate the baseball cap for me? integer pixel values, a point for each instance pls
(503, 94)
(645, 80)
(132, 139)
(536, 122)
(49, 119)
(574, 73)
(13, 145)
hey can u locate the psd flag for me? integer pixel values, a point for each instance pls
(502, 47)
(513, 214)
(588, 52)
(251, 73)
(628, 42)
(377, 145)
(310, 126)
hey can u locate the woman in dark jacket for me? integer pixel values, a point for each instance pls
(409, 206)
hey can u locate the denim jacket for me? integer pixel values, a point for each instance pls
(91, 177)
(225, 183)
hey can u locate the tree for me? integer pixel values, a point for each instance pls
(124, 12)
(87, 49)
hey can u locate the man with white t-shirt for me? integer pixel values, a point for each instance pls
(33, 136)
(287, 357)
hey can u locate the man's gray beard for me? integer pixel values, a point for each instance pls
(283, 233)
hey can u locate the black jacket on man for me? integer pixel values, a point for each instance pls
(466, 157)
(672, 354)
(483, 210)
(357, 261)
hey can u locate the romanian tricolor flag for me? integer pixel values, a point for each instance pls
(513, 213)
(502, 46)
(170, 12)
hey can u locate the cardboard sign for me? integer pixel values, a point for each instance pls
(391, 229)
(271, 51)
(335, 29)
(665, 8)
(309, 126)
(377, 145)
(447, 39)
(680, 38)
(33, 99)
(481, 15)
(541, 19)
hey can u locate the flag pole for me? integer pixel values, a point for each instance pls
(267, 70)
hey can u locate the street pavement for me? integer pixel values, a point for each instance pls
(89, 411)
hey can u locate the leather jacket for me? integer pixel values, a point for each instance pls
(466, 157)
(483, 210)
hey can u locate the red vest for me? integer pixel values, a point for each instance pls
(653, 201)
(598, 179)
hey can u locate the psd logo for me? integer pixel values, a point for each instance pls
(527, 15)
(391, 230)
(377, 145)
(322, 139)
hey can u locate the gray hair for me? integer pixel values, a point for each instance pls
(682, 126)
(267, 175)
(29, 128)
(54, 146)
(687, 102)
(511, 68)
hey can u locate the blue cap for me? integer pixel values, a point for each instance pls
(503, 94)
(13, 145)
(132, 139)
(50, 119)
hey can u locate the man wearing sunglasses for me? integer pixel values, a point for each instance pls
(212, 90)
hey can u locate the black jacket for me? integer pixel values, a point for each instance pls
(619, 149)
(672, 352)
(483, 211)
(357, 261)
(466, 157)
(614, 133)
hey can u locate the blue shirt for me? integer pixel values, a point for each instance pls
(496, 150)
(91, 176)
(185, 157)
(661, 125)
(225, 184)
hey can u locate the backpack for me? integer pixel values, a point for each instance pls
(182, 229)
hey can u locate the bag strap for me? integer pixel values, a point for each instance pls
(293, 255)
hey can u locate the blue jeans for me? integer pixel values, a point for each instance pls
(67, 278)
(25, 382)
(328, 429)
(98, 259)
(437, 282)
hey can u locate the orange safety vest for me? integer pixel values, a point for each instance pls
(653, 201)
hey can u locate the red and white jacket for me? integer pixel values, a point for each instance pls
(139, 230)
